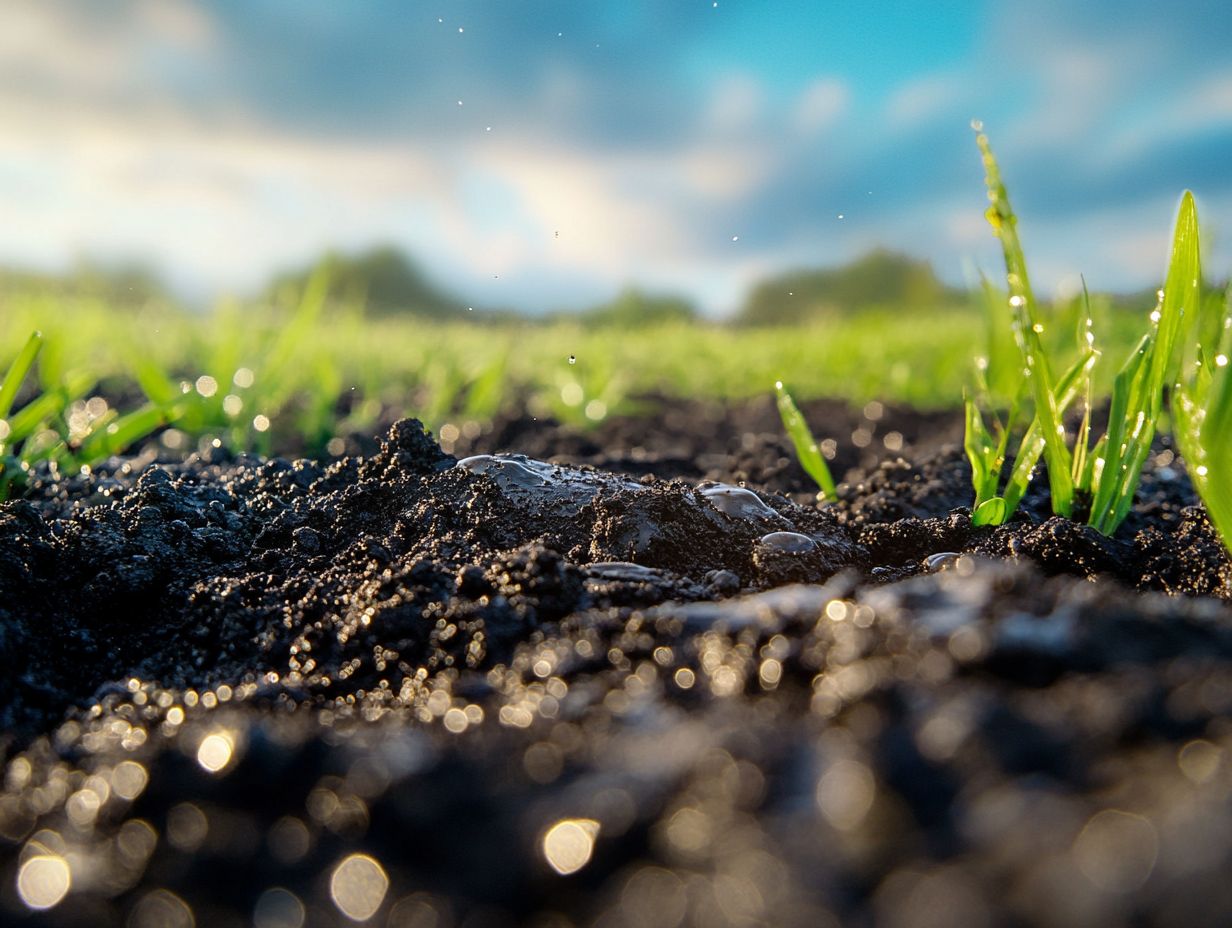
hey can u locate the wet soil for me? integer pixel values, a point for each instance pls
(631, 676)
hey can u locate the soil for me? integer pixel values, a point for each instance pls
(634, 676)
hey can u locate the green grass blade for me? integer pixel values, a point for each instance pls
(1033, 444)
(805, 444)
(120, 434)
(1127, 394)
(1027, 331)
(31, 417)
(981, 451)
(1137, 396)
(1182, 294)
(1202, 414)
(17, 372)
(990, 512)
(48, 406)
(1084, 337)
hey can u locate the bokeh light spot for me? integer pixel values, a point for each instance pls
(43, 881)
(568, 844)
(358, 886)
(278, 908)
(215, 751)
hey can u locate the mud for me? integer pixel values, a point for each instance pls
(630, 677)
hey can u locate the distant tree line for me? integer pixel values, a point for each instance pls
(386, 281)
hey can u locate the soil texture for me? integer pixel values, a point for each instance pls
(634, 676)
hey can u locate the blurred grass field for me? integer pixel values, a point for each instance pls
(299, 372)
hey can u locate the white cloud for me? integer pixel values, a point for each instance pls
(920, 101)
(821, 105)
(736, 104)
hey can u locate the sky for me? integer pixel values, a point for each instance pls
(540, 154)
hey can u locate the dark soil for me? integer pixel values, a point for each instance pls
(616, 688)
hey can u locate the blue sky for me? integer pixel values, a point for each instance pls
(542, 153)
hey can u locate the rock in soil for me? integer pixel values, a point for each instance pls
(410, 690)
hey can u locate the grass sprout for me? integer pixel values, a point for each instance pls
(1108, 472)
(61, 425)
(1027, 329)
(807, 452)
(1202, 412)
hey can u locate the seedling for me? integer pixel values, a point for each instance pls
(1107, 473)
(1202, 412)
(807, 452)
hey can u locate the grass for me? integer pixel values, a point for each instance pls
(1104, 475)
(335, 371)
(1027, 383)
(60, 426)
(1202, 410)
(807, 451)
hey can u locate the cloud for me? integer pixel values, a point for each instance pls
(924, 100)
(820, 105)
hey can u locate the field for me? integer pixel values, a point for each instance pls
(317, 370)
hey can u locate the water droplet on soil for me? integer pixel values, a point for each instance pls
(942, 560)
(528, 480)
(789, 542)
(739, 503)
(625, 571)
